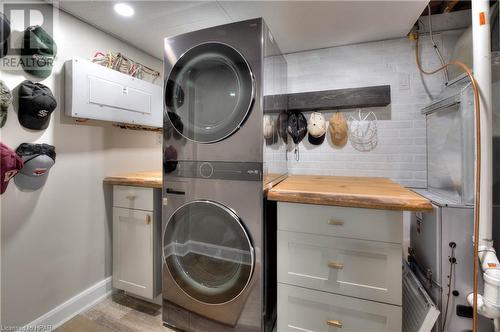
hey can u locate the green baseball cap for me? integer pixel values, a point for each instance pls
(5, 101)
(38, 52)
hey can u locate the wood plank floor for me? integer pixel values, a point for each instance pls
(118, 313)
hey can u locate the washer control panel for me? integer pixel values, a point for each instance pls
(214, 170)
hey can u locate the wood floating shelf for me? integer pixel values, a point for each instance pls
(373, 96)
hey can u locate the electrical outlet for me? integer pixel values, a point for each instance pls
(404, 81)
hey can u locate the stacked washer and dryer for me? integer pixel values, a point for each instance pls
(218, 228)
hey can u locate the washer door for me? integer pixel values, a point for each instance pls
(209, 92)
(208, 252)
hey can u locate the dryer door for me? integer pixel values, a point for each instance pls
(208, 252)
(209, 92)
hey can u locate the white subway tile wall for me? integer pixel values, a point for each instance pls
(401, 150)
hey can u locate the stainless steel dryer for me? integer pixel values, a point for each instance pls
(216, 276)
(219, 82)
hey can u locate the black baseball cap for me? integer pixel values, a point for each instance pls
(36, 104)
(4, 35)
(297, 127)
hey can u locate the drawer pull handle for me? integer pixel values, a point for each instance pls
(335, 265)
(130, 197)
(334, 323)
(336, 222)
(148, 219)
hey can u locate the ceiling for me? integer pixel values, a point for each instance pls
(296, 25)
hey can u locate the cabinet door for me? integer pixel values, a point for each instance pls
(133, 251)
(301, 309)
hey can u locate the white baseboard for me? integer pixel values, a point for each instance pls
(72, 307)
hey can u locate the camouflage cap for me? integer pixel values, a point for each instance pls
(5, 101)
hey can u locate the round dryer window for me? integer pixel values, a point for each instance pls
(209, 92)
(208, 252)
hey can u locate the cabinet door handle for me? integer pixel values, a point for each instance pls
(334, 323)
(336, 222)
(335, 265)
(130, 197)
(148, 219)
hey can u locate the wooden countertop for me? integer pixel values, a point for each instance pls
(361, 192)
(151, 179)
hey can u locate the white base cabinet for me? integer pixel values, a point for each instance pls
(136, 267)
(339, 269)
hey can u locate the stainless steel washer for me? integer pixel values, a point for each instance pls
(216, 276)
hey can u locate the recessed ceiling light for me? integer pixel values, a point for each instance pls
(124, 10)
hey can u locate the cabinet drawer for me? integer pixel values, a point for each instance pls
(133, 197)
(365, 224)
(365, 269)
(301, 309)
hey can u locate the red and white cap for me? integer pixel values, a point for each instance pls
(11, 163)
(38, 160)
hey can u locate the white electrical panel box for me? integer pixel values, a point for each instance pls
(99, 93)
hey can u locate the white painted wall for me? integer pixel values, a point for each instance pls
(56, 242)
(401, 152)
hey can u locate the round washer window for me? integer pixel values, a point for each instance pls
(209, 92)
(208, 252)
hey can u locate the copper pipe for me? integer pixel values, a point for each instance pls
(450, 6)
(477, 200)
